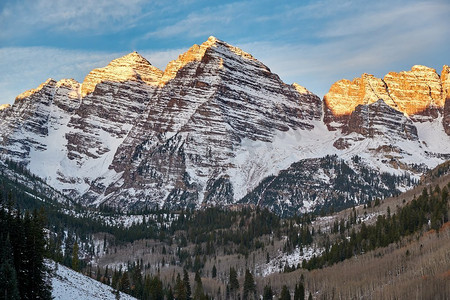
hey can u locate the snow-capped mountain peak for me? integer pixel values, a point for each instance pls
(215, 124)
(132, 67)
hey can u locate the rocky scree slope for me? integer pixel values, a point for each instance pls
(213, 125)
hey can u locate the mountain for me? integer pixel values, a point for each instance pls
(215, 123)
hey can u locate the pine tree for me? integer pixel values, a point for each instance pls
(198, 291)
(187, 284)
(285, 295)
(124, 284)
(214, 271)
(35, 268)
(249, 286)
(268, 293)
(169, 294)
(299, 293)
(75, 260)
(8, 278)
(310, 296)
(115, 279)
(233, 282)
(180, 289)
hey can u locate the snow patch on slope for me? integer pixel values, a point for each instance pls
(70, 285)
(256, 160)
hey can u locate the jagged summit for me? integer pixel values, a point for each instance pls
(30, 92)
(4, 106)
(213, 125)
(196, 53)
(132, 67)
(301, 89)
(410, 92)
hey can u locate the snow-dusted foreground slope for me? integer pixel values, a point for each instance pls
(70, 285)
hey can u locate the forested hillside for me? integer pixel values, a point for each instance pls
(240, 251)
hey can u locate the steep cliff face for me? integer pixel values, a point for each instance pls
(25, 126)
(219, 97)
(131, 67)
(445, 77)
(419, 94)
(217, 123)
(380, 119)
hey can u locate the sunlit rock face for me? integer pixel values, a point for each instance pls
(215, 124)
(445, 78)
(416, 91)
(344, 95)
(131, 67)
(4, 106)
(419, 94)
(213, 99)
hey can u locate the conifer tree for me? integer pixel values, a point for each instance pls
(180, 289)
(285, 295)
(187, 284)
(268, 293)
(249, 286)
(233, 282)
(124, 284)
(8, 278)
(214, 271)
(299, 293)
(75, 260)
(198, 292)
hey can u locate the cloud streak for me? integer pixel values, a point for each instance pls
(95, 16)
(395, 48)
(313, 43)
(25, 68)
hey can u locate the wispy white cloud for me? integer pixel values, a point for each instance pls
(313, 43)
(353, 51)
(96, 16)
(398, 17)
(210, 20)
(24, 68)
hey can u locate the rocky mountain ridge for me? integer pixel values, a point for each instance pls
(213, 125)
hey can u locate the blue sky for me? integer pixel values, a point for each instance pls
(313, 43)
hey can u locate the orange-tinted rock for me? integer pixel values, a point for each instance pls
(195, 53)
(131, 67)
(344, 95)
(416, 90)
(419, 93)
(445, 78)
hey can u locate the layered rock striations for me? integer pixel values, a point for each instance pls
(219, 97)
(218, 125)
(131, 67)
(419, 94)
(445, 78)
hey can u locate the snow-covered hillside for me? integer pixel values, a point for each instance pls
(70, 285)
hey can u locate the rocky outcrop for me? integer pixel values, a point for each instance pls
(27, 123)
(445, 78)
(417, 93)
(214, 125)
(378, 118)
(214, 97)
(131, 67)
(344, 95)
